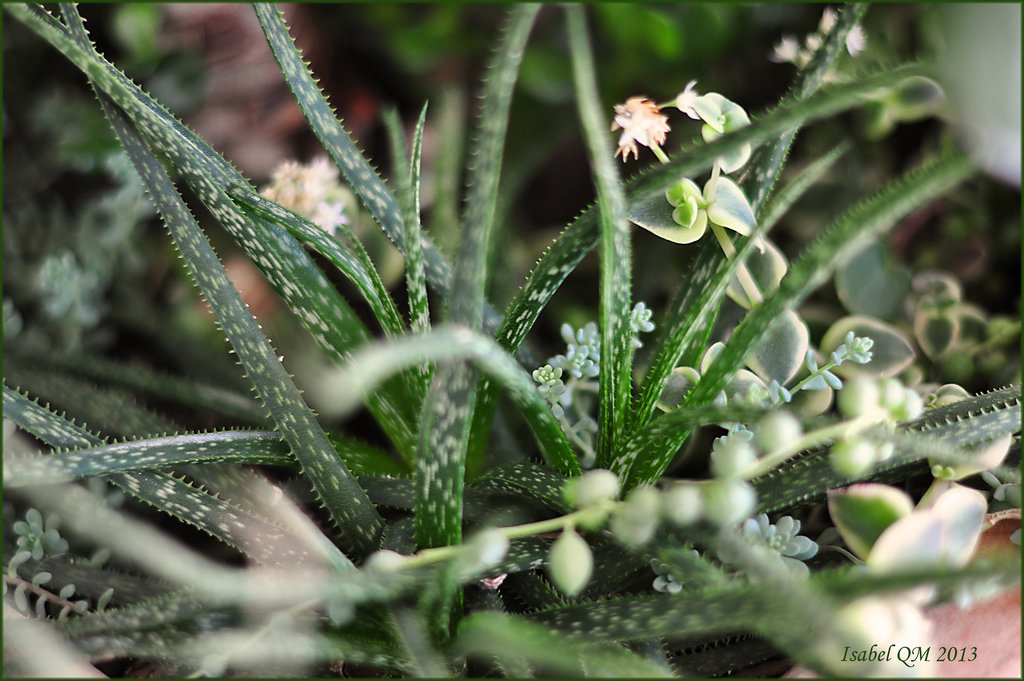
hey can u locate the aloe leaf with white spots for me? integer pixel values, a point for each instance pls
(409, 195)
(341, 256)
(944, 434)
(198, 395)
(343, 387)
(448, 408)
(254, 447)
(238, 526)
(524, 648)
(616, 251)
(528, 480)
(348, 505)
(377, 198)
(281, 259)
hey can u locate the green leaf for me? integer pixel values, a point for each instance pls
(355, 268)
(730, 207)
(196, 394)
(348, 505)
(862, 512)
(521, 646)
(259, 537)
(110, 411)
(871, 283)
(343, 387)
(615, 383)
(251, 447)
(360, 175)
(780, 353)
(527, 479)
(317, 303)
(448, 409)
(409, 196)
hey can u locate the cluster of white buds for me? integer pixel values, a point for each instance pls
(313, 191)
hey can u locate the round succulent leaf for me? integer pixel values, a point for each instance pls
(935, 332)
(918, 97)
(680, 382)
(682, 190)
(710, 355)
(728, 501)
(862, 512)
(973, 324)
(986, 456)
(781, 352)
(912, 542)
(812, 402)
(735, 116)
(656, 216)
(766, 269)
(730, 208)
(872, 283)
(937, 287)
(891, 352)
(963, 512)
(735, 159)
(741, 383)
(687, 213)
(710, 107)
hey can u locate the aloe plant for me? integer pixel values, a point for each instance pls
(625, 532)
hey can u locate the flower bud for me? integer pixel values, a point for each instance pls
(911, 407)
(728, 501)
(488, 547)
(777, 429)
(732, 457)
(852, 457)
(384, 560)
(893, 394)
(682, 504)
(634, 522)
(858, 397)
(570, 563)
(592, 487)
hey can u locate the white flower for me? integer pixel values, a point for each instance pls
(686, 100)
(856, 40)
(329, 216)
(786, 51)
(828, 20)
(311, 190)
(641, 121)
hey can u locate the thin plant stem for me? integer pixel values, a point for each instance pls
(836, 431)
(742, 273)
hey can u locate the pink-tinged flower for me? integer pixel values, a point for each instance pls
(686, 100)
(786, 51)
(828, 20)
(856, 40)
(641, 121)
